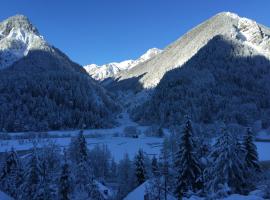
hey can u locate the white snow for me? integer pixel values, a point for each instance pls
(263, 150)
(252, 35)
(106, 192)
(138, 193)
(111, 69)
(17, 42)
(117, 145)
(263, 135)
(114, 139)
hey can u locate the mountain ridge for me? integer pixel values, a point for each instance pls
(177, 53)
(112, 69)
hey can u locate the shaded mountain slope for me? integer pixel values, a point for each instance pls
(42, 89)
(225, 81)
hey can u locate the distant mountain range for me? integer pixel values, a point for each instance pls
(112, 69)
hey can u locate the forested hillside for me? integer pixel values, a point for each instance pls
(225, 81)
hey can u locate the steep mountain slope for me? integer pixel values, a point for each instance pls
(178, 53)
(112, 69)
(17, 37)
(226, 81)
(41, 88)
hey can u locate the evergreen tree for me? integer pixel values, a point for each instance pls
(251, 156)
(78, 150)
(155, 168)
(125, 177)
(11, 176)
(160, 132)
(113, 169)
(84, 177)
(226, 170)
(30, 187)
(140, 167)
(49, 170)
(187, 167)
(65, 185)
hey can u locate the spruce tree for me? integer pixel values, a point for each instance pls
(155, 168)
(226, 170)
(30, 187)
(78, 150)
(84, 177)
(187, 167)
(164, 181)
(125, 177)
(83, 150)
(113, 170)
(11, 176)
(140, 167)
(251, 156)
(46, 186)
(65, 186)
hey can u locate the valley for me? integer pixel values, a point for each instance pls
(190, 121)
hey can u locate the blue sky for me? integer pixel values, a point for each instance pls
(102, 31)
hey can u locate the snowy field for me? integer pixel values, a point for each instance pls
(118, 145)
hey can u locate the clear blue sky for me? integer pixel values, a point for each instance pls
(101, 31)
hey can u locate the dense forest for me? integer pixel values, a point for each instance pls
(225, 81)
(46, 91)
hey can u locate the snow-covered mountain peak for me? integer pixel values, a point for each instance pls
(17, 37)
(246, 31)
(229, 14)
(17, 22)
(150, 53)
(111, 69)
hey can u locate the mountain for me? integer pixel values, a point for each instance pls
(179, 52)
(42, 89)
(17, 37)
(112, 69)
(226, 80)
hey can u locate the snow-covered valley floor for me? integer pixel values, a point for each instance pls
(113, 138)
(118, 145)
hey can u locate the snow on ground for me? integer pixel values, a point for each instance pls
(263, 149)
(106, 192)
(114, 139)
(4, 196)
(117, 145)
(138, 193)
(263, 135)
